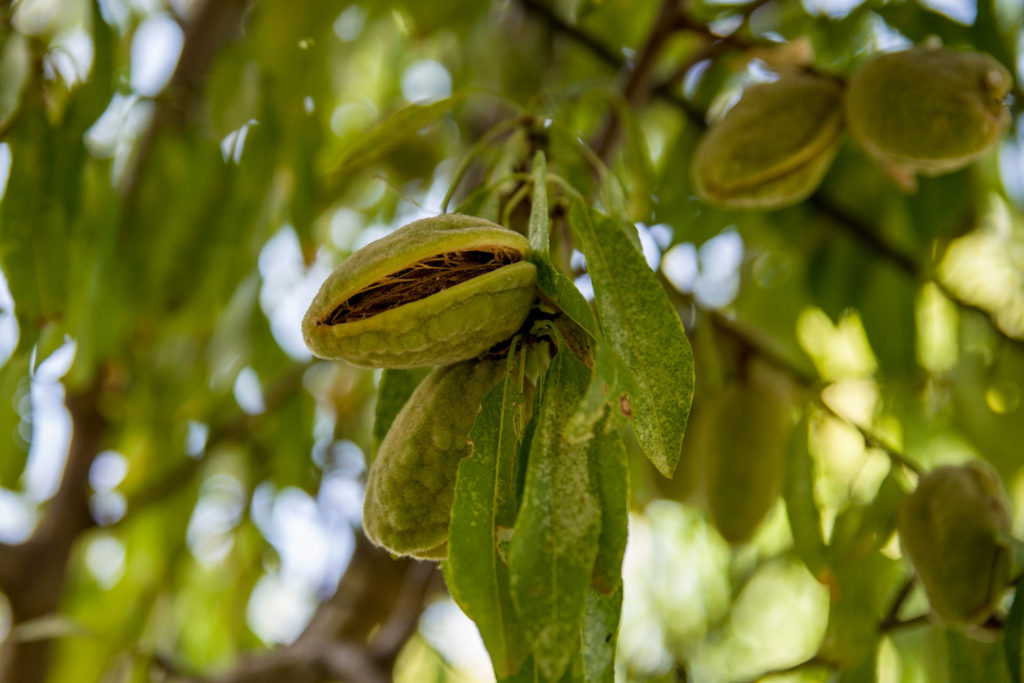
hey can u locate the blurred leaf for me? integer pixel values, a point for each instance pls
(14, 397)
(15, 62)
(862, 529)
(973, 660)
(387, 135)
(638, 163)
(485, 503)
(1013, 638)
(644, 331)
(860, 587)
(798, 493)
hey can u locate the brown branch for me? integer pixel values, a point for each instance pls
(215, 23)
(892, 614)
(357, 633)
(34, 572)
(604, 53)
(637, 77)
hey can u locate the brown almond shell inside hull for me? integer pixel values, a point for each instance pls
(420, 280)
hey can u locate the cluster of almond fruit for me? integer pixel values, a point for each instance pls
(927, 110)
(440, 292)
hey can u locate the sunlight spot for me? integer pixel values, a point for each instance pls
(17, 517)
(232, 145)
(719, 280)
(217, 512)
(278, 611)
(155, 49)
(1002, 397)
(961, 11)
(107, 507)
(5, 173)
(105, 560)
(838, 350)
(195, 438)
(680, 266)
(426, 80)
(349, 23)
(287, 287)
(9, 332)
(109, 469)
(71, 55)
(586, 287)
(937, 346)
(249, 392)
(833, 9)
(451, 633)
(50, 423)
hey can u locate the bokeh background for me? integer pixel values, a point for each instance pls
(181, 483)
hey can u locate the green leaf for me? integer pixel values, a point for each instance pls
(396, 386)
(798, 493)
(644, 331)
(540, 225)
(610, 469)
(387, 135)
(637, 160)
(600, 634)
(527, 673)
(14, 388)
(556, 533)
(15, 69)
(610, 383)
(560, 290)
(971, 660)
(485, 501)
(1013, 638)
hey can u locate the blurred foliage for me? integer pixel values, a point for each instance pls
(171, 235)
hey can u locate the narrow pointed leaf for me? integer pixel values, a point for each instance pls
(485, 502)
(540, 231)
(644, 330)
(387, 135)
(557, 287)
(600, 634)
(1013, 638)
(555, 539)
(798, 493)
(611, 473)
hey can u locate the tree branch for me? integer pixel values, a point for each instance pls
(357, 633)
(215, 23)
(32, 574)
(637, 77)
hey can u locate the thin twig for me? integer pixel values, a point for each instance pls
(892, 614)
(638, 76)
(871, 440)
